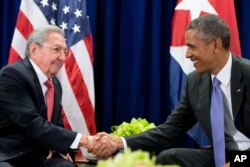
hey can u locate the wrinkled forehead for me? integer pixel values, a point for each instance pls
(56, 39)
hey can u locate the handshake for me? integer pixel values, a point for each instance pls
(102, 144)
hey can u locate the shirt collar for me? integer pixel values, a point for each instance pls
(41, 76)
(224, 75)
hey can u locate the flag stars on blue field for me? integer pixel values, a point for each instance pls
(66, 9)
(69, 15)
(54, 6)
(44, 3)
(53, 21)
(76, 28)
(78, 13)
(64, 25)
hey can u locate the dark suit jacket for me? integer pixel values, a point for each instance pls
(195, 106)
(23, 122)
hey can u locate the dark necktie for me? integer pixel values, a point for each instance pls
(217, 123)
(49, 96)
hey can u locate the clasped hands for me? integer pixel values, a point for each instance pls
(102, 144)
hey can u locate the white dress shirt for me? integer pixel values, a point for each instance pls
(235, 140)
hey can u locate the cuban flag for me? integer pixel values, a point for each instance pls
(180, 66)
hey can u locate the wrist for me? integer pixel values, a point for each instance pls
(119, 143)
(83, 141)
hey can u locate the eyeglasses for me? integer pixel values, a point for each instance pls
(57, 49)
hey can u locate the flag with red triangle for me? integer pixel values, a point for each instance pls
(180, 66)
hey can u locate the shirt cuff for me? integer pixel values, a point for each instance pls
(76, 142)
(125, 146)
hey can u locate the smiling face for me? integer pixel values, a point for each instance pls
(50, 55)
(203, 54)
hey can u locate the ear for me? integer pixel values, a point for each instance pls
(33, 49)
(217, 44)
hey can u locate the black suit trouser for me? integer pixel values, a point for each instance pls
(38, 159)
(187, 157)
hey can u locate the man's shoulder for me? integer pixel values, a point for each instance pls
(241, 68)
(17, 71)
(13, 65)
(245, 63)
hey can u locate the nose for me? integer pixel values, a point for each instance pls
(62, 57)
(64, 54)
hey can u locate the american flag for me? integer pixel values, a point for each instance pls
(76, 75)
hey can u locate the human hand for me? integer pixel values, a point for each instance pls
(67, 156)
(103, 145)
(50, 155)
(227, 164)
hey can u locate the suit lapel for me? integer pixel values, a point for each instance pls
(204, 99)
(237, 87)
(37, 87)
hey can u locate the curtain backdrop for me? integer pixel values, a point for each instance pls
(131, 49)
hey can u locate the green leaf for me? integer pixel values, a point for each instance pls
(135, 126)
(128, 158)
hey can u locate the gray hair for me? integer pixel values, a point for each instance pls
(209, 27)
(40, 36)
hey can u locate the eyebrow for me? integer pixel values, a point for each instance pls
(190, 45)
